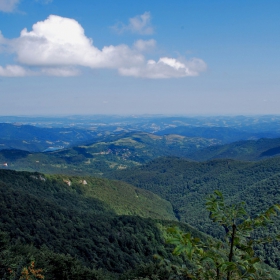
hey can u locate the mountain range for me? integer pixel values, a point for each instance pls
(99, 208)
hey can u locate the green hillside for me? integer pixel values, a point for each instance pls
(122, 198)
(117, 197)
(72, 232)
(242, 150)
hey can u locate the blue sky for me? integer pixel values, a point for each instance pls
(139, 57)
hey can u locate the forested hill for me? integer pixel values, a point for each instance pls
(242, 150)
(186, 185)
(71, 224)
(84, 193)
(77, 224)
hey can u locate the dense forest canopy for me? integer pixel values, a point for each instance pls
(186, 185)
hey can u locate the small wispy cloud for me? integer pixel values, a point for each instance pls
(140, 24)
(8, 6)
(44, 1)
(142, 45)
(13, 71)
(60, 71)
(165, 68)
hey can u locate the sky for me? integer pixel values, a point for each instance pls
(183, 57)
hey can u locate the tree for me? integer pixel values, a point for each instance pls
(26, 273)
(234, 257)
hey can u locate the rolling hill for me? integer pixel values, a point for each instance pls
(37, 139)
(250, 150)
(224, 134)
(113, 153)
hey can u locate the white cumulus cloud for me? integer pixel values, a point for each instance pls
(8, 5)
(61, 41)
(140, 24)
(58, 46)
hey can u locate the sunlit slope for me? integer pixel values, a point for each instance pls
(46, 211)
(118, 197)
(122, 198)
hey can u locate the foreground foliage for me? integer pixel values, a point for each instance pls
(232, 259)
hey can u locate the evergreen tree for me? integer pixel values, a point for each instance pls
(234, 257)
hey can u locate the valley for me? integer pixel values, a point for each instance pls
(103, 202)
